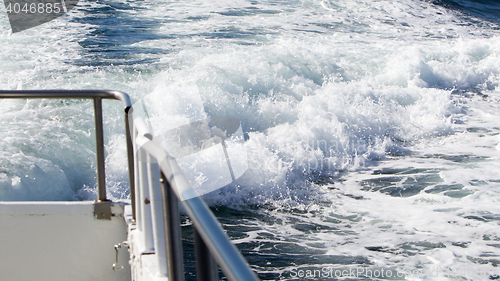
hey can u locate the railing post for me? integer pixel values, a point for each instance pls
(137, 199)
(206, 267)
(99, 145)
(145, 200)
(173, 241)
(157, 215)
(130, 158)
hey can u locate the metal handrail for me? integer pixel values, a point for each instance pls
(211, 242)
(208, 232)
(97, 96)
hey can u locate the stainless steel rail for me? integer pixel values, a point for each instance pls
(97, 96)
(232, 263)
(211, 242)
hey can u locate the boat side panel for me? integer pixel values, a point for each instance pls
(60, 241)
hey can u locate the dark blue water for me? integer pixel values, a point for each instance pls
(483, 10)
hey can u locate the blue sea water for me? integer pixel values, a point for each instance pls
(371, 128)
(480, 10)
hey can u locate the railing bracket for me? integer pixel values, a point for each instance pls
(116, 265)
(102, 210)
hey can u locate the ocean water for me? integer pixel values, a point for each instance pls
(371, 127)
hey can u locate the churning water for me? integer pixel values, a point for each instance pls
(371, 127)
